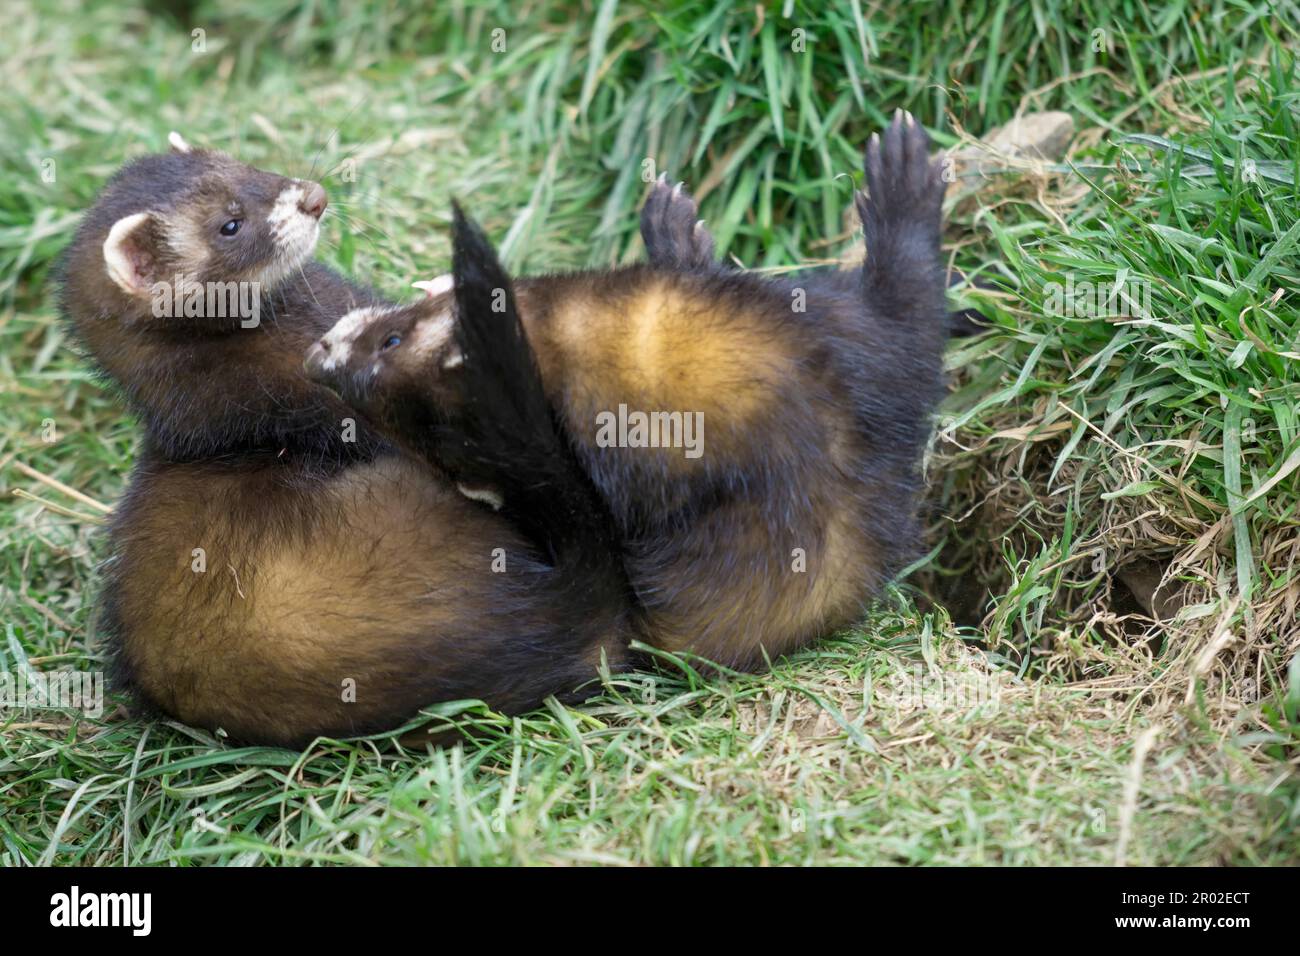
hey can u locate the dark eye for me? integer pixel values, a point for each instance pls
(232, 227)
(392, 341)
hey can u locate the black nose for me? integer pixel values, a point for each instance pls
(313, 200)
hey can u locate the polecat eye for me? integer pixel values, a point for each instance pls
(392, 341)
(232, 227)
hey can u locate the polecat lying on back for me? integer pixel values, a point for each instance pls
(275, 569)
(814, 394)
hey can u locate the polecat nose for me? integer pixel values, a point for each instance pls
(313, 200)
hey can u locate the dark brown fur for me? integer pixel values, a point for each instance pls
(803, 503)
(267, 575)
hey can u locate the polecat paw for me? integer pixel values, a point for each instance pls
(904, 186)
(674, 235)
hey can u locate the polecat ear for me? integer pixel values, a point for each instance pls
(178, 144)
(129, 253)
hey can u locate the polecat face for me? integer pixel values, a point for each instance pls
(203, 216)
(242, 224)
(376, 354)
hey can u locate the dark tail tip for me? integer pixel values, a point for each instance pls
(471, 252)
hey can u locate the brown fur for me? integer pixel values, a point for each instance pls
(803, 502)
(377, 575)
(326, 557)
(716, 572)
(671, 341)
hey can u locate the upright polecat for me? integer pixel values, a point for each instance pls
(275, 568)
(757, 440)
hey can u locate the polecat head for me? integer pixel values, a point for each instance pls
(375, 356)
(192, 213)
(445, 359)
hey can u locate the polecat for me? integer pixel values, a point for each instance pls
(812, 395)
(275, 568)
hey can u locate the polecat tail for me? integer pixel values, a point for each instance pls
(513, 439)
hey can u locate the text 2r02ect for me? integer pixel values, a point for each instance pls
(1194, 898)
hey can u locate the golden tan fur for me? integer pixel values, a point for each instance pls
(757, 545)
(665, 343)
(306, 586)
(656, 346)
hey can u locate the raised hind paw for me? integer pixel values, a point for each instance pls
(904, 186)
(674, 235)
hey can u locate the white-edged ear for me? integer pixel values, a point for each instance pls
(128, 257)
(177, 143)
(437, 285)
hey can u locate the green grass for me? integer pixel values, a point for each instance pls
(1052, 724)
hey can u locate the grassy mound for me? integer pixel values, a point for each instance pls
(1123, 457)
